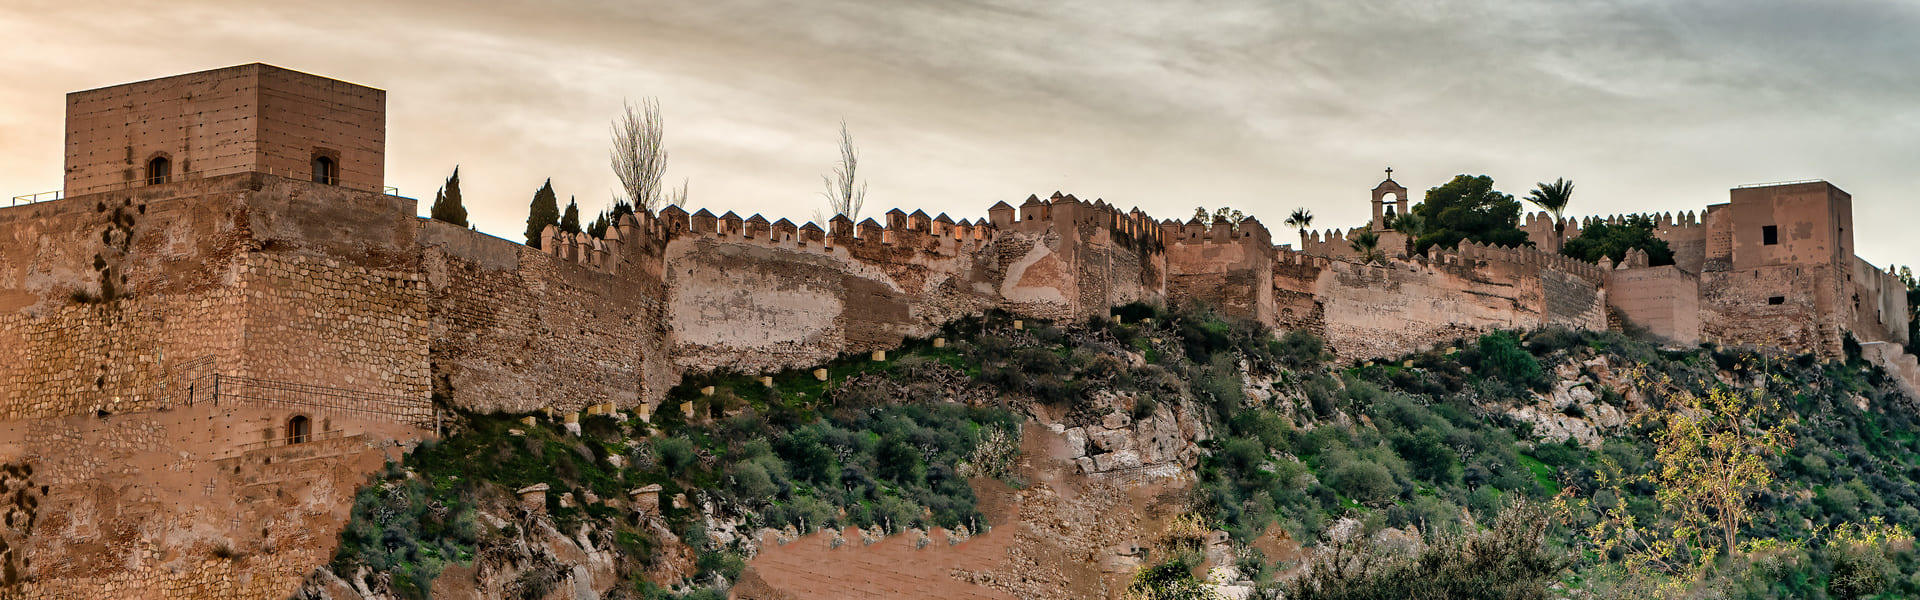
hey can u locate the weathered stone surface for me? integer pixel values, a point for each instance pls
(1076, 439)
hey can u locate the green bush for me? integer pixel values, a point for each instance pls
(1501, 357)
(1365, 482)
(1511, 561)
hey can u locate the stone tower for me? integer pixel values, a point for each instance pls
(247, 118)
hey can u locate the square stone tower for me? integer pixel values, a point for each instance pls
(247, 118)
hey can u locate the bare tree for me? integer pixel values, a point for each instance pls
(639, 159)
(842, 197)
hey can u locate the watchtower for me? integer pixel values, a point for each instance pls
(248, 118)
(1389, 200)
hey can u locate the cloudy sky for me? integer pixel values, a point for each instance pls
(1263, 105)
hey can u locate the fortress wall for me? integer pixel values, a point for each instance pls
(134, 505)
(233, 269)
(153, 240)
(1230, 270)
(758, 304)
(320, 322)
(1296, 282)
(1665, 300)
(1373, 311)
(516, 329)
(1117, 268)
(1881, 311)
(357, 228)
(1332, 243)
(751, 296)
(1738, 309)
(115, 357)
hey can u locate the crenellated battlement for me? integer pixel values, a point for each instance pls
(1524, 256)
(1538, 225)
(1219, 231)
(1036, 215)
(637, 237)
(940, 235)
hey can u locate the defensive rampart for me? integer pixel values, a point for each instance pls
(751, 295)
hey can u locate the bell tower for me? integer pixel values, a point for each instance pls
(1389, 201)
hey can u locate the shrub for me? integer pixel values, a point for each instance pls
(1144, 406)
(1509, 561)
(1365, 482)
(1300, 349)
(675, 454)
(1172, 580)
(1502, 357)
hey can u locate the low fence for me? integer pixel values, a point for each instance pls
(143, 182)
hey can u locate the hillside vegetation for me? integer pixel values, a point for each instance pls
(1714, 472)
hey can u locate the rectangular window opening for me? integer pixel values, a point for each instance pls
(1770, 235)
(1777, 300)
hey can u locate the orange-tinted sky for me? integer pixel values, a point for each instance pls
(1257, 104)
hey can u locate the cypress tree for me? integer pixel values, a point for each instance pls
(446, 202)
(570, 222)
(544, 211)
(599, 226)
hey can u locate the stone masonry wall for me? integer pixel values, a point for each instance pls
(515, 329)
(755, 304)
(752, 295)
(1378, 311)
(1223, 266)
(320, 322)
(1742, 309)
(195, 502)
(1665, 300)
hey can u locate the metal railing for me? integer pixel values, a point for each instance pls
(311, 438)
(221, 389)
(295, 175)
(1778, 183)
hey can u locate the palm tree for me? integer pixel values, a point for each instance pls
(1553, 198)
(1411, 225)
(1301, 218)
(1367, 245)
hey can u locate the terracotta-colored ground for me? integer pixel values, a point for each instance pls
(1062, 536)
(891, 568)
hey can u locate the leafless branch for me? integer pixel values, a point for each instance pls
(843, 198)
(638, 157)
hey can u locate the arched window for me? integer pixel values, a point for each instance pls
(299, 430)
(325, 171)
(159, 170)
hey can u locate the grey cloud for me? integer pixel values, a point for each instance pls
(1651, 105)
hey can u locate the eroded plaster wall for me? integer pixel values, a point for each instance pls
(1665, 300)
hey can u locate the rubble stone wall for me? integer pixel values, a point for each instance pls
(195, 502)
(515, 329)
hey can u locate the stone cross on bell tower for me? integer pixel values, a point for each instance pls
(1384, 209)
